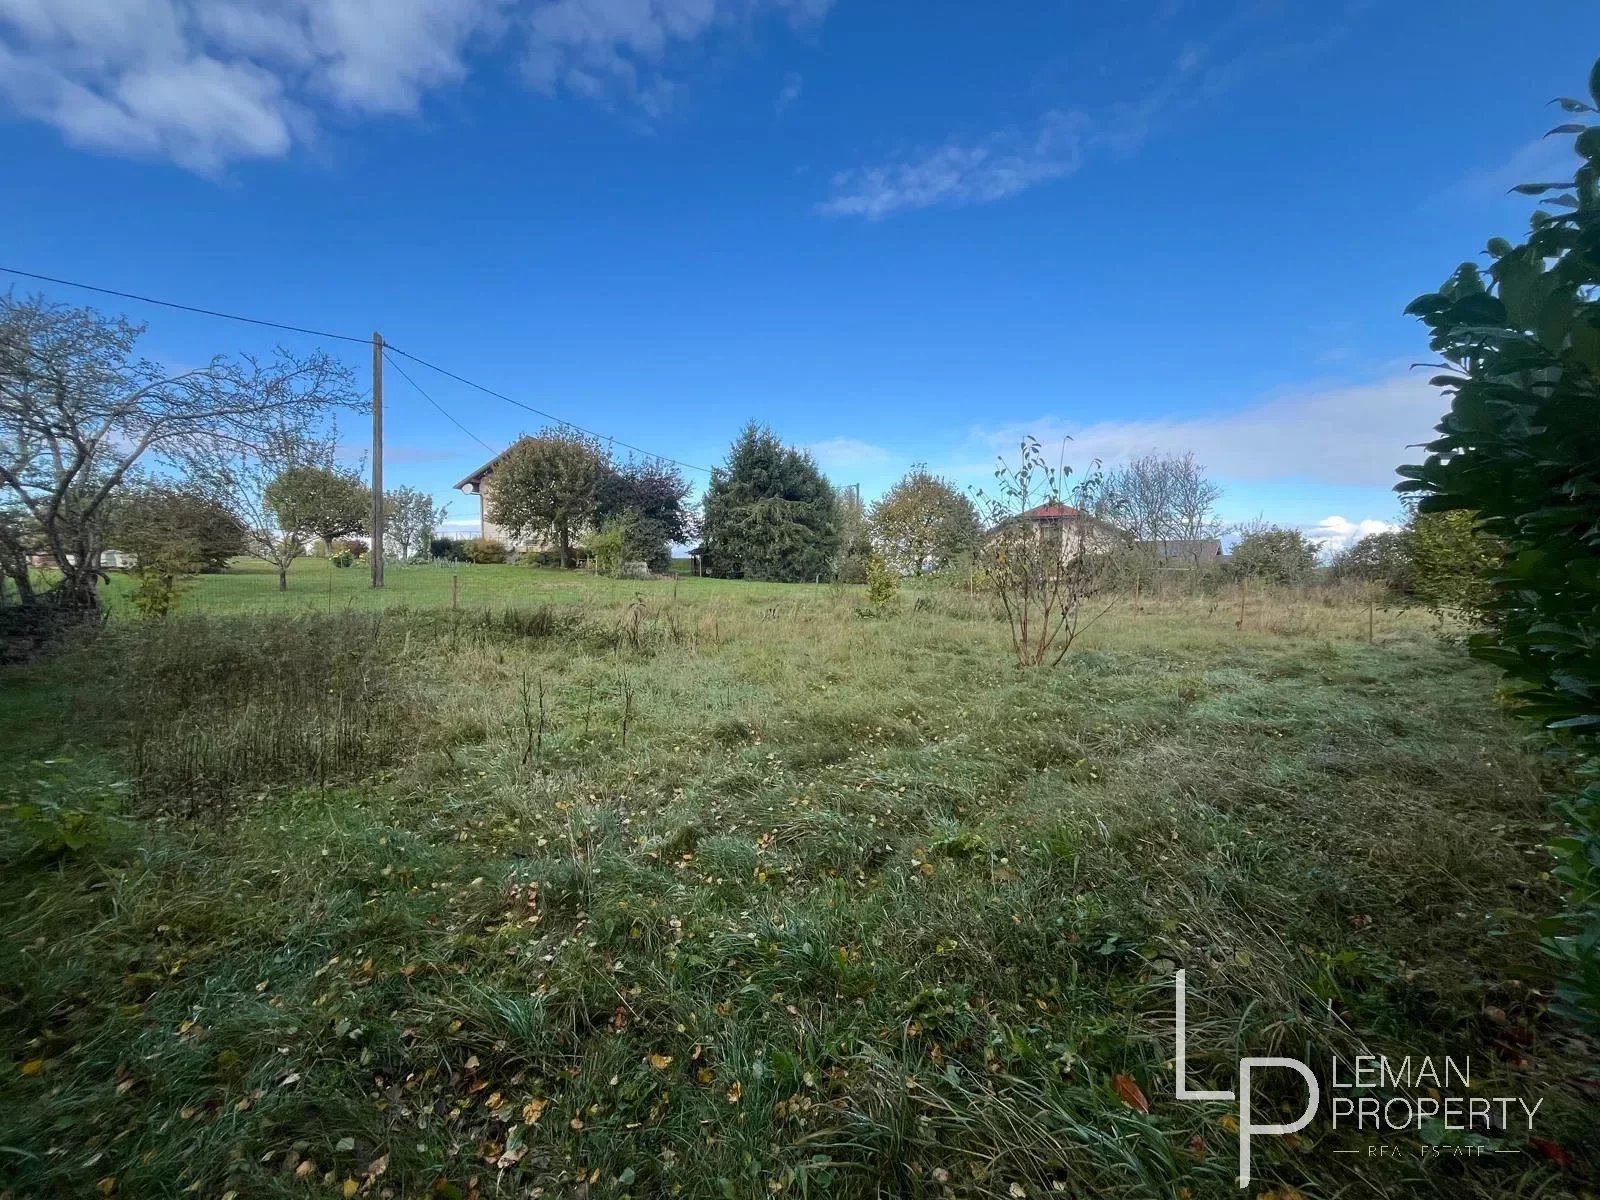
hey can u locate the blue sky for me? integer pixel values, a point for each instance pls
(896, 232)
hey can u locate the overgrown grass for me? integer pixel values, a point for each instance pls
(732, 893)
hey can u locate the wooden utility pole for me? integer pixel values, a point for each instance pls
(376, 553)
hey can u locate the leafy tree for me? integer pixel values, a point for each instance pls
(852, 561)
(249, 479)
(323, 498)
(79, 410)
(1279, 555)
(409, 519)
(176, 529)
(1520, 451)
(548, 486)
(769, 513)
(924, 523)
(648, 498)
(1378, 558)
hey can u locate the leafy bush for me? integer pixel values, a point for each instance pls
(157, 593)
(49, 810)
(343, 559)
(1378, 558)
(609, 546)
(1518, 457)
(1452, 561)
(883, 585)
(484, 550)
(449, 549)
(354, 547)
(1278, 555)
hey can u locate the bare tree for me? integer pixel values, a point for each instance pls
(1163, 497)
(1047, 556)
(79, 409)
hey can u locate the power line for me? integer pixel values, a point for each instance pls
(443, 412)
(365, 341)
(206, 312)
(547, 416)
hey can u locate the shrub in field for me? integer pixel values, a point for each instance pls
(49, 809)
(484, 550)
(883, 585)
(1452, 560)
(354, 547)
(449, 549)
(157, 593)
(343, 559)
(1518, 457)
(1046, 560)
(1276, 555)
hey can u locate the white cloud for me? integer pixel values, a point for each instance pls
(1541, 161)
(1345, 435)
(1336, 533)
(846, 453)
(209, 82)
(961, 173)
(793, 84)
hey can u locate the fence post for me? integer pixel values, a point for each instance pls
(455, 591)
(1370, 605)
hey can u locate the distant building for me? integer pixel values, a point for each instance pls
(1184, 552)
(1078, 531)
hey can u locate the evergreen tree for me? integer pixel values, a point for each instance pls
(769, 513)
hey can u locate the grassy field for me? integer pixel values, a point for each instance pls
(709, 889)
(316, 585)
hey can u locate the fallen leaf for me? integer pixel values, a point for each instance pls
(1016, 1189)
(661, 1061)
(33, 1066)
(377, 1167)
(304, 1169)
(345, 1144)
(350, 1188)
(107, 1186)
(1551, 1150)
(1130, 1093)
(735, 1092)
(533, 1110)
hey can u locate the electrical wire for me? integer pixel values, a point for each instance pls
(389, 358)
(365, 341)
(206, 312)
(488, 391)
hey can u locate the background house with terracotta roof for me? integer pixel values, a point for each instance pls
(1077, 530)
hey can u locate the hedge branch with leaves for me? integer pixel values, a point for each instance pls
(1520, 447)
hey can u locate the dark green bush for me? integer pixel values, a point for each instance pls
(484, 550)
(1518, 456)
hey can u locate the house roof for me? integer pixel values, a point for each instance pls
(1052, 511)
(470, 483)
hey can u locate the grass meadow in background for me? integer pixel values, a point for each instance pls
(708, 889)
